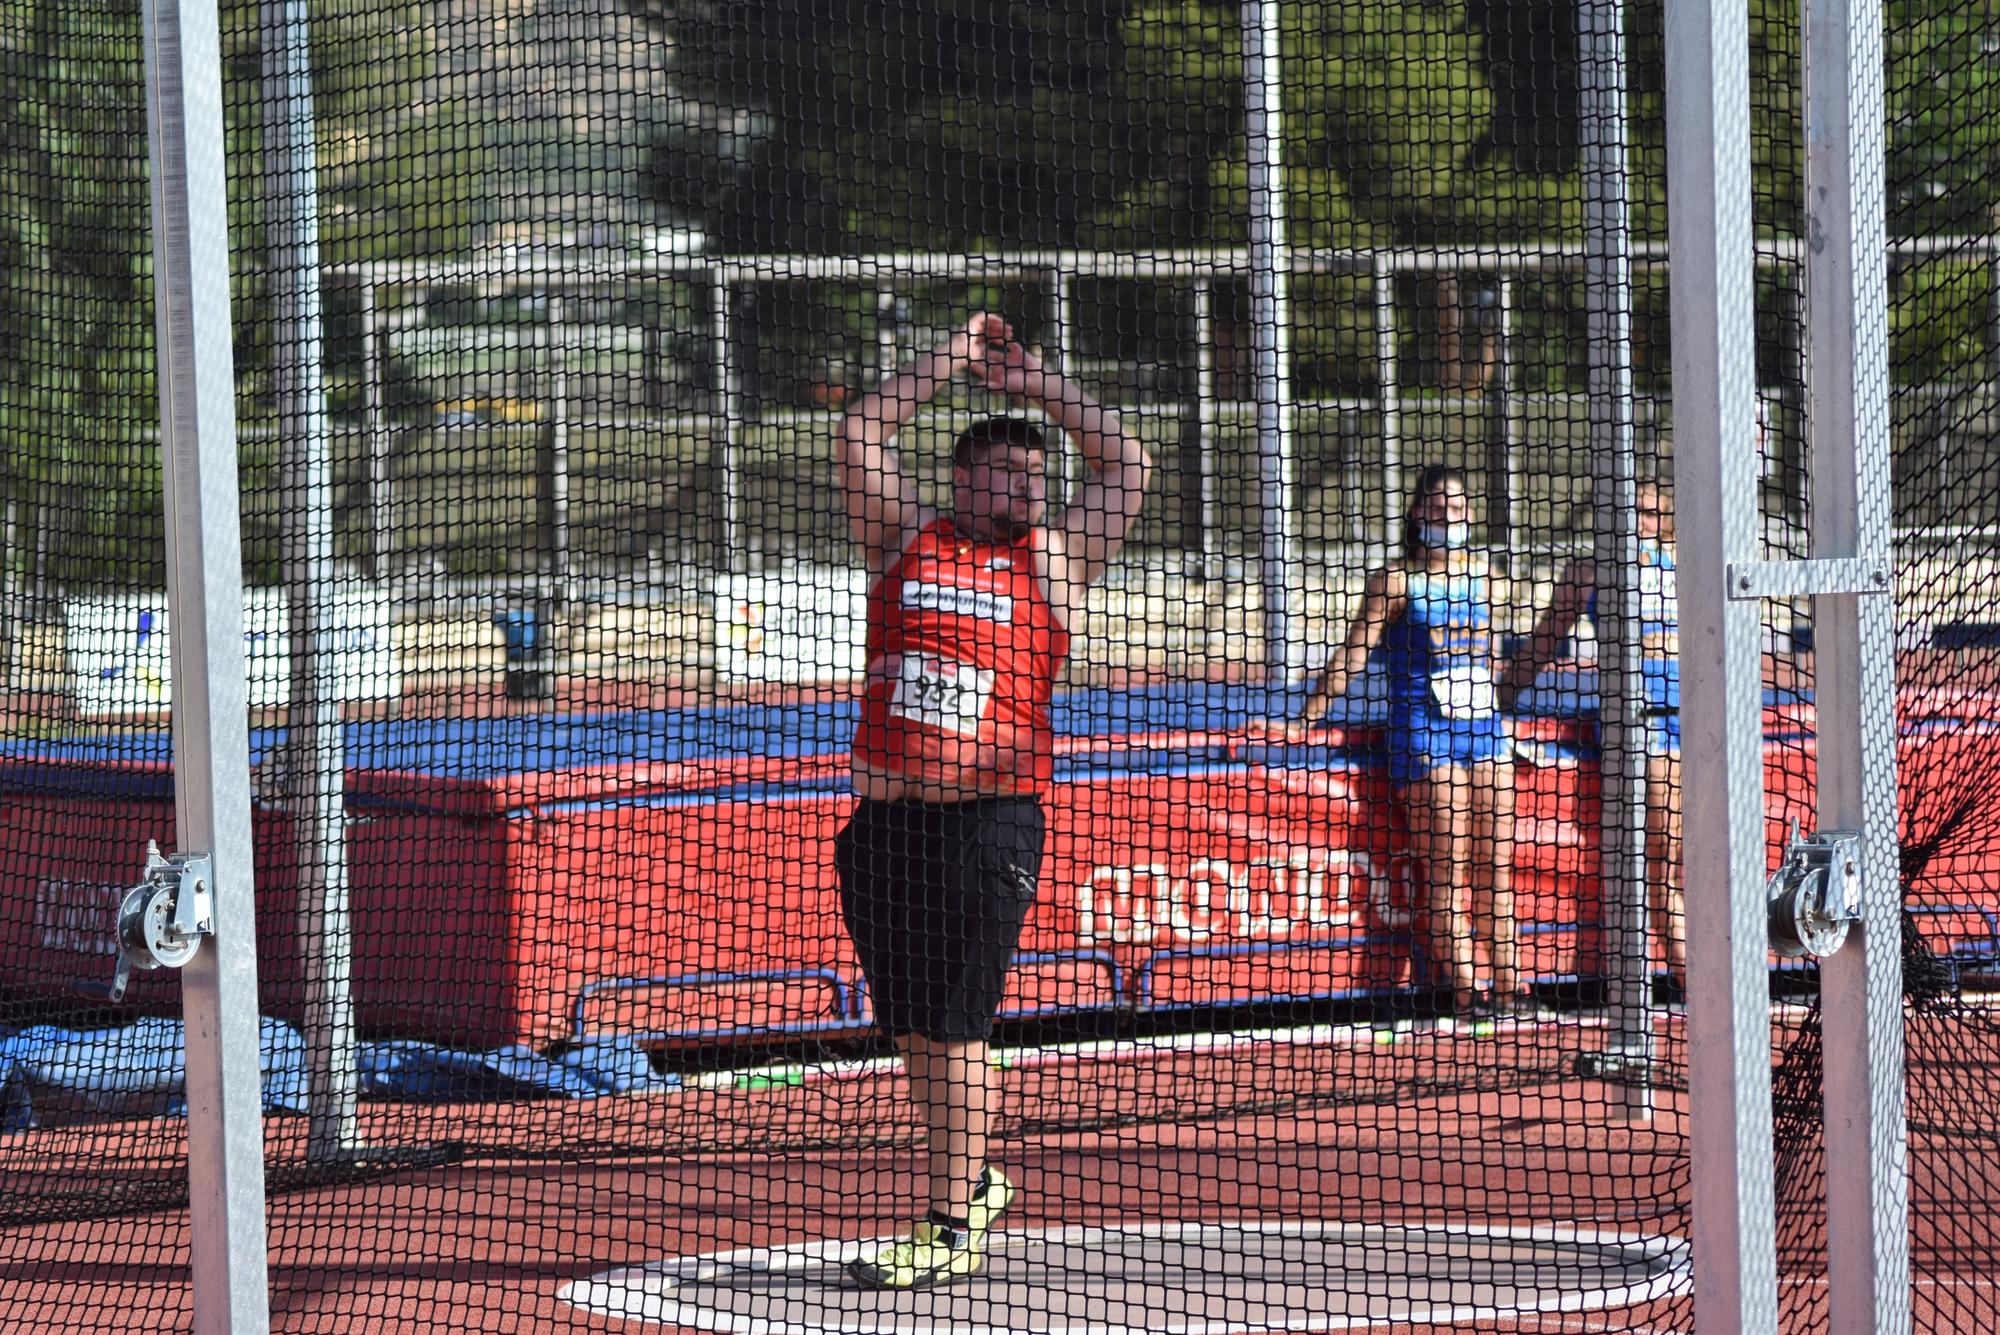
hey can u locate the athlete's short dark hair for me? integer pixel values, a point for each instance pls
(981, 438)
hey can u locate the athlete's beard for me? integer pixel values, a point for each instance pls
(1007, 530)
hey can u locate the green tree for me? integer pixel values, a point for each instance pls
(402, 169)
(77, 394)
(948, 124)
(1943, 89)
(1386, 101)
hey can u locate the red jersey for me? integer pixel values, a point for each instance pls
(963, 650)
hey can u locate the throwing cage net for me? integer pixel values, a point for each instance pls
(914, 667)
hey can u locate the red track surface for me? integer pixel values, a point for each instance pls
(487, 1245)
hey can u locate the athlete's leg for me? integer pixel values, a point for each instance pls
(1490, 854)
(951, 1084)
(1663, 852)
(1440, 816)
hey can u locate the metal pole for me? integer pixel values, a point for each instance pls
(1059, 335)
(1621, 685)
(886, 329)
(1204, 409)
(1797, 508)
(734, 557)
(1847, 412)
(1500, 451)
(380, 515)
(197, 380)
(10, 615)
(1729, 1041)
(558, 444)
(1388, 377)
(315, 762)
(1992, 310)
(1270, 266)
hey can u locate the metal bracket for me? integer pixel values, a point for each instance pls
(1815, 894)
(1750, 581)
(163, 918)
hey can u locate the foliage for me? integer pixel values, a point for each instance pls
(76, 377)
(939, 125)
(399, 167)
(1943, 83)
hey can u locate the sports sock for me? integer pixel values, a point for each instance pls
(951, 1232)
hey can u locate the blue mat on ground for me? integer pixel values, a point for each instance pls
(406, 1069)
(50, 1076)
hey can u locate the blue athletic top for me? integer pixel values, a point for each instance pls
(1444, 632)
(1659, 618)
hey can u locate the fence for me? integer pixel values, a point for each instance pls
(519, 914)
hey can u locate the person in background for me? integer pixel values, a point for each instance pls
(1429, 617)
(1575, 599)
(968, 623)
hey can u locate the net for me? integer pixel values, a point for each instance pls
(1943, 595)
(771, 529)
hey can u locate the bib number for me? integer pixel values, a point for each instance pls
(940, 693)
(1658, 597)
(1465, 690)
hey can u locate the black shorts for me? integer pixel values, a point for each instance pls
(935, 898)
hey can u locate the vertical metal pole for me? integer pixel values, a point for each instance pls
(885, 331)
(1204, 409)
(1621, 701)
(1992, 313)
(1796, 508)
(10, 615)
(1847, 413)
(1500, 451)
(1060, 317)
(373, 429)
(205, 603)
(1270, 316)
(1388, 377)
(1729, 1038)
(315, 769)
(559, 411)
(733, 555)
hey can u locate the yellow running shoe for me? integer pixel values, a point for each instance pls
(993, 1194)
(924, 1259)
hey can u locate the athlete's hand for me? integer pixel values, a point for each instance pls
(970, 345)
(1010, 369)
(1290, 731)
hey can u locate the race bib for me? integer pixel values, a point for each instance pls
(1658, 596)
(940, 693)
(1465, 690)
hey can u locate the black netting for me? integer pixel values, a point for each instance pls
(1941, 348)
(777, 536)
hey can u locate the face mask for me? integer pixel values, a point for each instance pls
(1444, 537)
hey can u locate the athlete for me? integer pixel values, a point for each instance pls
(1574, 599)
(969, 619)
(1430, 617)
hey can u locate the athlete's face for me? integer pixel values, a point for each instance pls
(1656, 520)
(1004, 490)
(1445, 503)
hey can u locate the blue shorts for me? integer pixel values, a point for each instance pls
(1423, 742)
(1663, 733)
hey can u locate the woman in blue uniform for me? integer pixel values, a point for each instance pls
(1429, 618)
(1574, 600)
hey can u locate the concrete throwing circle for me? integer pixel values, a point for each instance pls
(1161, 1279)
